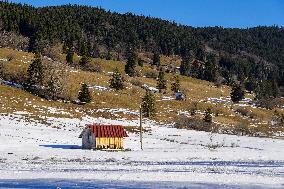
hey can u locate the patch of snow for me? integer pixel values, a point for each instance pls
(4, 59)
(167, 98)
(100, 88)
(152, 89)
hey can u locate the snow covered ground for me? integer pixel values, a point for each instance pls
(171, 157)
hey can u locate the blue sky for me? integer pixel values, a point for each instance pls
(197, 13)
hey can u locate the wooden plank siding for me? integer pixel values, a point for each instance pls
(109, 142)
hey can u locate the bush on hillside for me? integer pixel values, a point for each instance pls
(243, 111)
(151, 74)
(136, 82)
(195, 124)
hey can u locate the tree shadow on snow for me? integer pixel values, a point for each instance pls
(62, 146)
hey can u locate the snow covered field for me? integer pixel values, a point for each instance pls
(171, 157)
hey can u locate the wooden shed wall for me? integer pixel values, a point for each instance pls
(113, 143)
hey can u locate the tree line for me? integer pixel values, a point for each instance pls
(251, 57)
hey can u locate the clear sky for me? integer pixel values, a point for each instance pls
(197, 13)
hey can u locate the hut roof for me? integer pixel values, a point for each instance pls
(108, 130)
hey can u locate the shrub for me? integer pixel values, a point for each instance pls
(151, 74)
(193, 108)
(208, 117)
(136, 82)
(175, 87)
(195, 124)
(10, 57)
(242, 130)
(268, 103)
(54, 52)
(219, 81)
(93, 67)
(243, 111)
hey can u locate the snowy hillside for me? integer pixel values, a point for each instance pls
(30, 150)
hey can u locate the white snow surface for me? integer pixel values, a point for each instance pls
(30, 150)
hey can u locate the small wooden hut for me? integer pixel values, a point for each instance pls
(103, 137)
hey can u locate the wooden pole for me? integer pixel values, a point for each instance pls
(141, 128)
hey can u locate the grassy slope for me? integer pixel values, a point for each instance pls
(196, 90)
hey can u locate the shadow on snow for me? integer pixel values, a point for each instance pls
(87, 184)
(62, 146)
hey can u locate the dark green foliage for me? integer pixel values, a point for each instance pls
(185, 66)
(131, 63)
(84, 94)
(148, 105)
(162, 82)
(176, 84)
(140, 62)
(116, 81)
(252, 52)
(251, 85)
(267, 89)
(210, 70)
(35, 72)
(237, 93)
(200, 54)
(108, 56)
(208, 117)
(156, 59)
(70, 57)
(84, 61)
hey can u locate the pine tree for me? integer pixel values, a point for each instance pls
(208, 117)
(131, 63)
(70, 56)
(251, 85)
(116, 81)
(176, 84)
(84, 94)
(108, 55)
(84, 61)
(200, 54)
(140, 62)
(35, 72)
(210, 71)
(156, 59)
(148, 105)
(237, 93)
(185, 66)
(162, 82)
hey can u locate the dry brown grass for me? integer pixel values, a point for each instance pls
(13, 100)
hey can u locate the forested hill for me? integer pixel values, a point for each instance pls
(100, 33)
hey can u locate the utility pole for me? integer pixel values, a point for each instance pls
(140, 111)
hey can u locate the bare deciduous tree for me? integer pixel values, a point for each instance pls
(56, 76)
(14, 41)
(54, 52)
